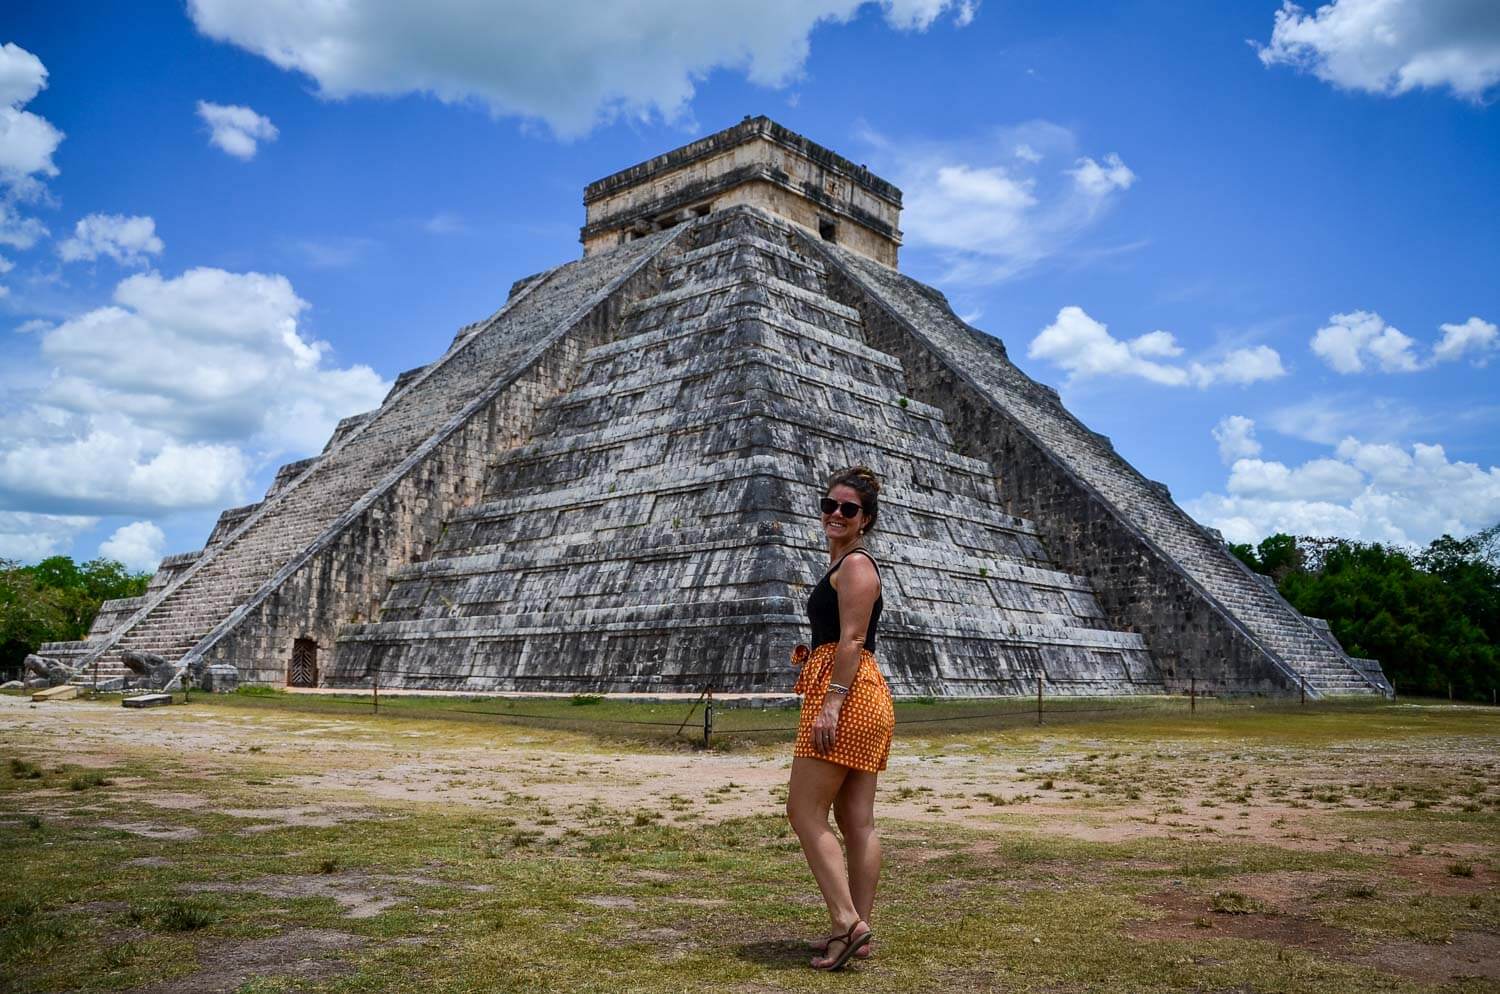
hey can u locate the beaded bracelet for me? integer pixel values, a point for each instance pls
(838, 688)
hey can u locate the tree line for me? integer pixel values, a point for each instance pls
(1431, 616)
(55, 601)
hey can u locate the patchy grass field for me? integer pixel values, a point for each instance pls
(273, 844)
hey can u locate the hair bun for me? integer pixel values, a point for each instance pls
(867, 474)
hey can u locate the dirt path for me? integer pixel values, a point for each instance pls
(332, 769)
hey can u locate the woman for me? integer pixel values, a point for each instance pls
(844, 736)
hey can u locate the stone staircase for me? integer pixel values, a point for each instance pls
(202, 598)
(1144, 504)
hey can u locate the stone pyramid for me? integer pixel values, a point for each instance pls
(609, 485)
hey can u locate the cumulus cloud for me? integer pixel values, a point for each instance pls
(27, 142)
(235, 129)
(1350, 339)
(1391, 47)
(138, 545)
(170, 396)
(1354, 342)
(988, 207)
(1236, 437)
(1376, 492)
(1085, 348)
(27, 537)
(1480, 339)
(1100, 181)
(127, 240)
(570, 63)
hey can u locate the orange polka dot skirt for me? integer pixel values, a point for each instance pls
(866, 721)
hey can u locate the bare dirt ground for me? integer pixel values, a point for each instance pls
(1084, 783)
(1068, 785)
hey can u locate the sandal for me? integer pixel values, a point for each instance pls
(821, 946)
(852, 945)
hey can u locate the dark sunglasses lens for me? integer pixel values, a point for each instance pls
(848, 508)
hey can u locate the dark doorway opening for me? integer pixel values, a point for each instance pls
(304, 669)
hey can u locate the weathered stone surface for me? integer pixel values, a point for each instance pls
(659, 531)
(50, 672)
(148, 669)
(609, 485)
(756, 163)
(1158, 572)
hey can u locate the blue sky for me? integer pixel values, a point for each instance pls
(1255, 245)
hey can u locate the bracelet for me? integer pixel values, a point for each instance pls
(838, 688)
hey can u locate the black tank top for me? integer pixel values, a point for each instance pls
(823, 607)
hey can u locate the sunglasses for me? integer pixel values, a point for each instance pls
(847, 508)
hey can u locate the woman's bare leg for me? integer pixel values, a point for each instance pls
(814, 784)
(854, 810)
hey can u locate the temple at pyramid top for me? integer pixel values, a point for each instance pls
(756, 162)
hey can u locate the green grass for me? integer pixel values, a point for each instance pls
(538, 895)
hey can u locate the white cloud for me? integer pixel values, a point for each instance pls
(1100, 181)
(1317, 479)
(1377, 492)
(1392, 46)
(1239, 366)
(27, 143)
(987, 208)
(6, 265)
(1084, 348)
(28, 537)
(918, 15)
(1350, 339)
(138, 545)
(22, 75)
(1236, 437)
(26, 140)
(171, 395)
(570, 63)
(19, 232)
(127, 240)
(236, 129)
(1474, 337)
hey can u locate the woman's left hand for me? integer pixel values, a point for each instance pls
(826, 725)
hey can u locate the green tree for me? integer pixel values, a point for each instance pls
(56, 600)
(1432, 618)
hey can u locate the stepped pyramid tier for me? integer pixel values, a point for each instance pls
(610, 485)
(659, 528)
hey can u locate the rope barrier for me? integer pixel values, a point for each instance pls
(1055, 712)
